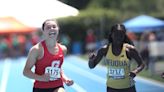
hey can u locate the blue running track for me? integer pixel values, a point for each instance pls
(86, 80)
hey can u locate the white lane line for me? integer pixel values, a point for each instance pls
(5, 75)
(138, 78)
(85, 73)
(78, 88)
(149, 81)
(75, 86)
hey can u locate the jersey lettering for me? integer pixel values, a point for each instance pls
(118, 73)
(53, 70)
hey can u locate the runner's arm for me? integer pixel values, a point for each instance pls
(64, 48)
(65, 79)
(133, 53)
(94, 58)
(31, 60)
(63, 76)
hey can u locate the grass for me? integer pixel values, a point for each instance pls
(155, 76)
(144, 73)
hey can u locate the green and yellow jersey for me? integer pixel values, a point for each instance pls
(118, 68)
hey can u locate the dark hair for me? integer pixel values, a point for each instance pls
(44, 23)
(122, 28)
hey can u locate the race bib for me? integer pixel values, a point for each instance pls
(53, 71)
(118, 73)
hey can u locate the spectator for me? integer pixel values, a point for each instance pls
(90, 41)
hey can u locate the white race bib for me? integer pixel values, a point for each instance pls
(118, 73)
(53, 71)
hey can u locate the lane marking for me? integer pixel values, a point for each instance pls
(5, 75)
(75, 86)
(86, 73)
(78, 88)
(149, 81)
(138, 78)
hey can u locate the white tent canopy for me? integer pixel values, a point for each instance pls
(34, 12)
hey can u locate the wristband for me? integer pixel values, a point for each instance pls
(132, 74)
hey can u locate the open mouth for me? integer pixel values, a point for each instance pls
(52, 33)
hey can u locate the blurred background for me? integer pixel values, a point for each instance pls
(84, 27)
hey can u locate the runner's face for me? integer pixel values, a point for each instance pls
(118, 36)
(51, 29)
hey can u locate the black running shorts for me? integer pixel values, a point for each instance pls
(131, 89)
(46, 90)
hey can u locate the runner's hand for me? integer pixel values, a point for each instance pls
(69, 82)
(92, 55)
(44, 77)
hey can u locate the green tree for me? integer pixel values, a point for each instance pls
(79, 4)
(132, 6)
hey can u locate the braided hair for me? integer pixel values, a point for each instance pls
(119, 27)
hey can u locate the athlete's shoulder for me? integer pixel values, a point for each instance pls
(63, 47)
(103, 49)
(131, 50)
(129, 47)
(36, 46)
(35, 49)
(105, 46)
